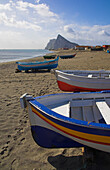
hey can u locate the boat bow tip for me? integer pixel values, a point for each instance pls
(23, 100)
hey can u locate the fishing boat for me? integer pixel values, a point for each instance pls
(49, 56)
(67, 56)
(50, 64)
(82, 80)
(68, 120)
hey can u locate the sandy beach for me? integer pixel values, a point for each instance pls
(18, 151)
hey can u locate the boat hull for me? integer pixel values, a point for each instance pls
(73, 83)
(49, 57)
(80, 135)
(49, 139)
(67, 56)
(71, 88)
(50, 129)
(38, 65)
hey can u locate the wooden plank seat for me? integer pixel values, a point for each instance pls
(104, 110)
(90, 75)
(63, 109)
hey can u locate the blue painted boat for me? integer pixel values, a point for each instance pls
(67, 56)
(50, 64)
(68, 120)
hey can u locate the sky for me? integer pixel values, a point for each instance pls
(30, 24)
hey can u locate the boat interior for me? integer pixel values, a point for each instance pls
(90, 74)
(91, 110)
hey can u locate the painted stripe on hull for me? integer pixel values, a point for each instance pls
(74, 124)
(103, 140)
(67, 87)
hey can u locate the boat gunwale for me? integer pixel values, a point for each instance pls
(58, 72)
(37, 62)
(56, 115)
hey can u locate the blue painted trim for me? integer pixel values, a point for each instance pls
(45, 61)
(79, 122)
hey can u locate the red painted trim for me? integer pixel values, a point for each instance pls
(70, 88)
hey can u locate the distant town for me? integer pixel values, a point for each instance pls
(93, 48)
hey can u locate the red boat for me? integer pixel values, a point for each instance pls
(82, 80)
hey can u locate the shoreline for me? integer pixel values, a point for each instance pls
(17, 147)
(13, 55)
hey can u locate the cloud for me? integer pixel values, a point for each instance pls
(68, 29)
(12, 22)
(43, 10)
(40, 9)
(27, 23)
(37, 1)
(92, 35)
(104, 33)
(37, 23)
(5, 7)
(22, 6)
(22, 14)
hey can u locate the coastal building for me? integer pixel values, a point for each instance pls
(105, 47)
(89, 48)
(82, 47)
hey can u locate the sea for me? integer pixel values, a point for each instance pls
(7, 55)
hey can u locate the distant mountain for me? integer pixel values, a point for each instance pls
(60, 42)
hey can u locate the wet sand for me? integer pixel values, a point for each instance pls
(18, 151)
